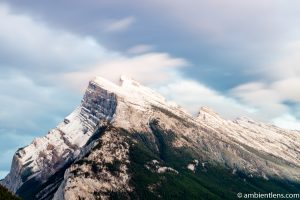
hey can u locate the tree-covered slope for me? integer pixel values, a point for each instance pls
(6, 195)
(208, 181)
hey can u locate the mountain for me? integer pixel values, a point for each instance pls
(127, 142)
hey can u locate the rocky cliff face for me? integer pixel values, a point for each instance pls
(92, 154)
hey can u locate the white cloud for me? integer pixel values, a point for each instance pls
(120, 24)
(230, 21)
(287, 121)
(285, 64)
(287, 89)
(260, 96)
(257, 100)
(47, 55)
(193, 95)
(270, 100)
(146, 68)
(26, 44)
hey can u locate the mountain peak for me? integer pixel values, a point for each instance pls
(127, 80)
(90, 153)
(206, 112)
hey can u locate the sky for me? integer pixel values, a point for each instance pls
(241, 58)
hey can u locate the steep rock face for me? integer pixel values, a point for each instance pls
(102, 171)
(82, 157)
(44, 156)
(62, 145)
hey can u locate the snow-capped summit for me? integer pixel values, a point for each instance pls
(206, 112)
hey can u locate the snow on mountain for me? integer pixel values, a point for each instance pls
(255, 148)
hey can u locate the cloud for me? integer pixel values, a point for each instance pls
(45, 54)
(260, 96)
(287, 89)
(287, 121)
(285, 64)
(272, 100)
(221, 39)
(120, 25)
(26, 44)
(147, 68)
(270, 96)
(23, 100)
(256, 100)
(140, 48)
(192, 95)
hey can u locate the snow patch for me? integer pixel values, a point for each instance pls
(192, 166)
(156, 167)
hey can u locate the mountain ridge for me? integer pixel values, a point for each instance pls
(116, 118)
